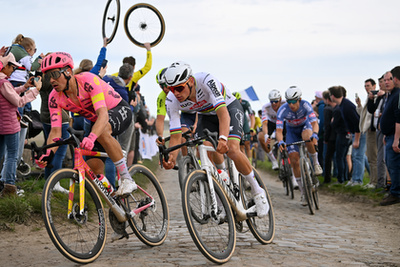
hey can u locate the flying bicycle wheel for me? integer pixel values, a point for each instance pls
(186, 166)
(151, 225)
(263, 229)
(111, 20)
(80, 238)
(143, 23)
(307, 183)
(216, 240)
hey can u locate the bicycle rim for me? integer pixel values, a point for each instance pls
(80, 238)
(151, 225)
(263, 229)
(307, 185)
(215, 240)
(186, 166)
(111, 20)
(143, 23)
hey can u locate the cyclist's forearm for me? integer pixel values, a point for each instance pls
(278, 134)
(101, 122)
(160, 125)
(55, 133)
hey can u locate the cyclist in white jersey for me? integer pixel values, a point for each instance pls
(269, 124)
(301, 124)
(217, 111)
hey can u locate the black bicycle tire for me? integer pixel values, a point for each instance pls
(226, 248)
(156, 12)
(254, 222)
(315, 189)
(289, 181)
(307, 187)
(161, 223)
(50, 218)
(186, 166)
(114, 32)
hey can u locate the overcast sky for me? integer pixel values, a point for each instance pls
(269, 44)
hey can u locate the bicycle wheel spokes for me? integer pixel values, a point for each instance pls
(263, 229)
(111, 20)
(144, 24)
(216, 239)
(79, 237)
(150, 225)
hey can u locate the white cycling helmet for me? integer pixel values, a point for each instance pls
(160, 76)
(274, 95)
(178, 73)
(293, 92)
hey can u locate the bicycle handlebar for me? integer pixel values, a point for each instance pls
(210, 136)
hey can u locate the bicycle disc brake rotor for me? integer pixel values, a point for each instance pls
(81, 219)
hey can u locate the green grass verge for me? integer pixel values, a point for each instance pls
(356, 192)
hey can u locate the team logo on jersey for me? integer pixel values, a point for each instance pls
(114, 94)
(53, 103)
(214, 89)
(184, 105)
(88, 87)
(198, 104)
(54, 117)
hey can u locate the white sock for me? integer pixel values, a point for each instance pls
(314, 157)
(298, 180)
(122, 169)
(271, 156)
(255, 187)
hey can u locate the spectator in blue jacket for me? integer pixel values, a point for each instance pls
(352, 121)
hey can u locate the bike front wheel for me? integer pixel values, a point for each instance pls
(150, 225)
(143, 23)
(214, 236)
(79, 237)
(307, 183)
(263, 229)
(288, 178)
(186, 166)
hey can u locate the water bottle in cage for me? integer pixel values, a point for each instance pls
(105, 183)
(225, 177)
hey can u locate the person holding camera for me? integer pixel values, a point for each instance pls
(10, 100)
(367, 128)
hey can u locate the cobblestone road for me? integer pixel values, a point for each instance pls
(342, 233)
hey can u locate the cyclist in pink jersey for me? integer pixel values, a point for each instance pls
(95, 100)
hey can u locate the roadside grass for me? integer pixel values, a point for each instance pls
(335, 188)
(28, 208)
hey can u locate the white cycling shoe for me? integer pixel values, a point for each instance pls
(127, 186)
(295, 184)
(57, 187)
(262, 205)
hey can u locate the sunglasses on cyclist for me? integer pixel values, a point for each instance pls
(274, 101)
(292, 101)
(55, 74)
(179, 88)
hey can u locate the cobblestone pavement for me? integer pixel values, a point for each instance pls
(342, 233)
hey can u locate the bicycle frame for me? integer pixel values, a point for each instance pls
(235, 202)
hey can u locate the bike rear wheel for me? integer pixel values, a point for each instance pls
(263, 229)
(143, 23)
(216, 240)
(80, 238)
(307, 183)
(151, 225)
(111, 20)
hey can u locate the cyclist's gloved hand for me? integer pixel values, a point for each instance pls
(45, 158)
(281, 143)
(314, 136)
(88, 142)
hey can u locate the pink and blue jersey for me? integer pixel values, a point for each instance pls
(93, 93)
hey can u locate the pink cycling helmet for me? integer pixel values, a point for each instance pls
(57, 60)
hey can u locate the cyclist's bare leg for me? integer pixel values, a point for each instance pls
(247, 148)
(295, 163)
(306, 135)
